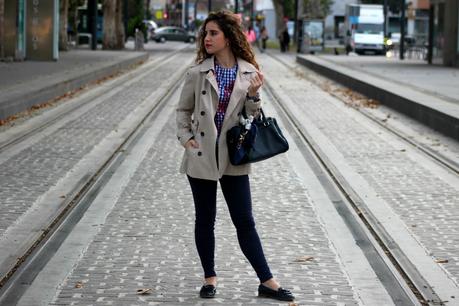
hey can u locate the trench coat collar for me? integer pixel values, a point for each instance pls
(243, 66)
(241, 84)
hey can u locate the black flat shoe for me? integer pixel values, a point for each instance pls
(279, 294)
(207, 291)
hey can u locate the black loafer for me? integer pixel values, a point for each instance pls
(207, 291)
(279, 294)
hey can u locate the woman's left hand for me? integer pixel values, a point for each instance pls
(255, 83)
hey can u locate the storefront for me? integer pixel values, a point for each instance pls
(444, 32)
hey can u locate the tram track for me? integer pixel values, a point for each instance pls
(393, 263)
(437, 157)
(87, 98)
(28, 263)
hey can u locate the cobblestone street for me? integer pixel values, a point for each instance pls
(138, 230)
(147, 242)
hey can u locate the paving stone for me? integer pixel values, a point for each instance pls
(148, 242)
(31, 172)
(425, 202)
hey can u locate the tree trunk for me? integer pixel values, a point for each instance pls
(2, 13)
(63, 21)
(279, 9)
(113, 25)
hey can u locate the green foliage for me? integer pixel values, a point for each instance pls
(317, 8)
(289, 8)
(136, 17)
(136, 23)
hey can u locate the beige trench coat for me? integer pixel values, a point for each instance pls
(195, 119)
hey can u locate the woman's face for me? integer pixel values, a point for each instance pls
(214, 39)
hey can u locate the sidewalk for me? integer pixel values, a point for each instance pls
(24, 84)
(427, 93)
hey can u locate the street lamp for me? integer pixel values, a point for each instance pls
(402, 31)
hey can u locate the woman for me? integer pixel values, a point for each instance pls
(225, 80)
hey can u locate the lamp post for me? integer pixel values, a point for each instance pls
(209, 6)
(385, 18)
(402, 31)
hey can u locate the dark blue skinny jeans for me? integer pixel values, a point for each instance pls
(236, 190)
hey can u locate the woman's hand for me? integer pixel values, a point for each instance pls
(255, 84)
(191, 144)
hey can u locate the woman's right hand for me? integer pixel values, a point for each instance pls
(191, 144)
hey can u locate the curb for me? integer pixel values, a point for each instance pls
(17, 103)
(436, 118)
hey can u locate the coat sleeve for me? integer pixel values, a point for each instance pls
(185, 109)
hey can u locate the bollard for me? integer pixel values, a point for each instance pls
(139, 39)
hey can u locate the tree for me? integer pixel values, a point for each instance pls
(113, 25)
(63, 22)
(317, 8)
(312, 9)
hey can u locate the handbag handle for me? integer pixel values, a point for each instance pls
(261, 117)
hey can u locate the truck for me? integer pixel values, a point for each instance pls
(364, 24)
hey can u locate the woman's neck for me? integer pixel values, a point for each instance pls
(225, 58)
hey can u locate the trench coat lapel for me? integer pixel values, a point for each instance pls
(208, 66)
(240, 87)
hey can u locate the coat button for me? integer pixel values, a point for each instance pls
(203, 92)
(199, 153)
(202, 133)
(203, 113)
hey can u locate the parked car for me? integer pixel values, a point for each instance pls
(164, 34)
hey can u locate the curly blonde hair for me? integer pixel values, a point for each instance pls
(230, 24)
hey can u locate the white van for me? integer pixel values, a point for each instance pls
(364, 25)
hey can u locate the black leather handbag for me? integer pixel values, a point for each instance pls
(262, 140)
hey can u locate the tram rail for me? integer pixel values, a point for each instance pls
(439, 158)
(14, 282)
(393, 264)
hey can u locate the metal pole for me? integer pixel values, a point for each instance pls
(187, 13)
(209, 6)
(402, 31)
(385, 18)
(92, 18)
(295, 29)
(236, 6)
(431, 34)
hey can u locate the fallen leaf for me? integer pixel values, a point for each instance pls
(144, 291)
(293, 304)
(304, 259)
(441, 260)
(62, 197)
(79, 285)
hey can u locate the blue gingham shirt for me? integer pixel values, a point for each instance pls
(225, 80)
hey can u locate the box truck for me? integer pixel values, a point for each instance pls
(364, 24)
